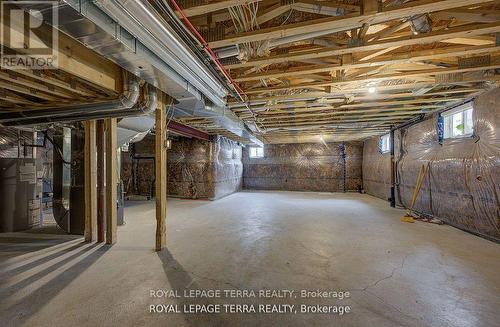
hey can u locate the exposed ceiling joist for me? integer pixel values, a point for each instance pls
(469, 30)
(345, 23)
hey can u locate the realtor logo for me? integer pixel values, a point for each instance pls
(28, 37)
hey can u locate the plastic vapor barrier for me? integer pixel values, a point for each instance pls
(196, 169)
(461, 183)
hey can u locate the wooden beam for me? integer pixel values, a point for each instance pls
(111, 181)
(468, 15)
(34, 85)
(405, 41)
(46, 78)
(316, 8)
(369, 7)
(161, 174)
(331, 4)
(378, 53)
(418, 98)
(273, 12)
(393, 76)
(337, 121)
(76, 59)
(344, 23)
(400, 58)
(354, 90)
(28, 91)
(215, 6)
(265, 111)
(90, 165)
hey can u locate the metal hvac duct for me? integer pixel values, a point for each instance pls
(143, 108)
(146, 56)
(86, 22)
(234, 50)
(142, 21)
(222, 116)
(124, 102)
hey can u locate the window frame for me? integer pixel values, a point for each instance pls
(257, 155)
(448, 130)
(381, 143)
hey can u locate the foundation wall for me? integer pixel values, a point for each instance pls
(461, 185)
(228, 168)
(376, 170)
(197, 169)
(305, 167)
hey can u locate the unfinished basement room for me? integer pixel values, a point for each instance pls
(212, 163)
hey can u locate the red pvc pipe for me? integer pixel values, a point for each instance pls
(205, 44)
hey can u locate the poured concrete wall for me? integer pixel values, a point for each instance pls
(461, 185)
(197, 169)
(304, 167)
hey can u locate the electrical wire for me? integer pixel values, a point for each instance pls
(210, 51)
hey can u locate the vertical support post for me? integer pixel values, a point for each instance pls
(393, 169)
(111, 181)
(101, 198)
(161, 174)
(90, 181)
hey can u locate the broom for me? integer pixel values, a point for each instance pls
(408, 218)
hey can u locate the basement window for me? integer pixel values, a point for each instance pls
(385, 143)
(256, 152)
(458, 122)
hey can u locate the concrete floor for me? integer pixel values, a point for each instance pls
(399, 274)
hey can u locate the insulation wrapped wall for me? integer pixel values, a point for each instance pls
(196, 169)
(189, 169)
(376, 172)
(304, 167)
(461, 186)
(11, 143)
(228, 172)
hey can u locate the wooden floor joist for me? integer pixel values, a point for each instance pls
(468, 30)
(346, 22)
(404, 58)
(306, 65)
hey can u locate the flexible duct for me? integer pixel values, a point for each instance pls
(124, 102)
